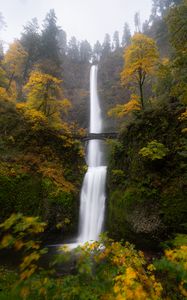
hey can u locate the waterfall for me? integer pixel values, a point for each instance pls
(92, 201)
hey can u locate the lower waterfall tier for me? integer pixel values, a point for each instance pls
(92, 204)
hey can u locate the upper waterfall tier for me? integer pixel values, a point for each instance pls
(95, 111)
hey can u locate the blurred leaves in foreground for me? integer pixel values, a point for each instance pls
(103, 270)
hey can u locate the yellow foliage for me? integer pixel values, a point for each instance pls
(44, 93)
(57, 175)
(183, 116)
(65, 105)
(14, 64)
(163, 68)
(22, 229)
(3, 76)
(184, 130)
(18, 244)
(140, 57)
(121, 110)
(140, 61)
(25, 292)
(15, 59)
(6, 240)
(27, 260)
(178, 256)
(34, 117)
(4, 95)
(133, 280)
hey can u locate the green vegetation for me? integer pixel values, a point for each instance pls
(154, 150)
(37, 176)
(147, 184)
(44, 88)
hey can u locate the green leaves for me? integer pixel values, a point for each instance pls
(154, 151)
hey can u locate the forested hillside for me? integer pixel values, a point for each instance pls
(148, 162)
(44, 119)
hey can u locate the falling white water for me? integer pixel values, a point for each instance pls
(92, 206)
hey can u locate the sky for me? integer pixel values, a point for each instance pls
(84, 19)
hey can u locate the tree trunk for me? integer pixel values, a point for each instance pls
(141, 82)
(10, 81)
(141, 95)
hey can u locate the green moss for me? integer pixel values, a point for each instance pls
(173, 206)
(20, 194)
(34, 196)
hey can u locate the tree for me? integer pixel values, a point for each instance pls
(137, 22)
(2, 25)
(3, 84)
(1, 51)
(116, 43)
(3, 81)
(44, 94)
(50, 60)
(145, 27)
(31, 41)
(85, 51)
(97, 51)
(177, 25)
(62, 42)
(14, 61)
(126, 36)
(73, 49)
(106, 46)
(160, 7)
(140, 60)
(120, 110)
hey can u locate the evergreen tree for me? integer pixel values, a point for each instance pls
(177, 26)
(97, 51)
(2, 25)
(50, 61)
(137, 22)
(116, 43)
(126, 36)
(160, 7)
(73, 49)
(62, 42)
(106, 47)
(145, 27)
(85, 51)
(31, 41)
(1, 51)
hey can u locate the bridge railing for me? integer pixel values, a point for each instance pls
(100, 136)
